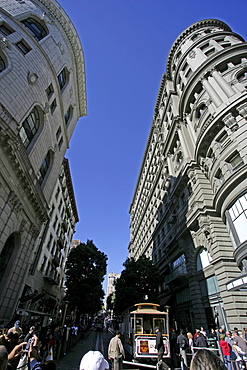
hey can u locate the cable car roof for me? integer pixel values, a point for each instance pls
(147, 308)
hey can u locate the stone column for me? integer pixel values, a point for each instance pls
(212, 93)
(228, 90)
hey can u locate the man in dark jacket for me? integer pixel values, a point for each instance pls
(183, 344)
(160, 347)
(201, 341)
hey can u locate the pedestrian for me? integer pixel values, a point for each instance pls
(213, 334)
(5, 357)
(116, 352)
(16, 328)
(93, 360)
(226, 351)
(23, 362)
(239, 347)
(200, 341)
(160, 347)
(191, 342)
(183, 343)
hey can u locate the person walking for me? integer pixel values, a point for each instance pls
(226, 351)
(183, 345)
(160, 347)
(116, 352)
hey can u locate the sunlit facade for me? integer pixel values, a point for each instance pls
(42, 97)
(189, 209)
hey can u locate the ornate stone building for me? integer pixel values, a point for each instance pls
(189, 209)
(43, 95)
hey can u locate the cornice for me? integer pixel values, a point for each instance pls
(55, 11)
(192, 28)
(160, 92)
(70, 188)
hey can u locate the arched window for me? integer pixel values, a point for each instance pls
(36, 28)
(203, 259)
(242, 76)
(200, 110)
(29, 127)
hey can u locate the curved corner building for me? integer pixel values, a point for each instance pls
(189, 209)
(42, 97)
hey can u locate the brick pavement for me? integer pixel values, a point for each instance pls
(72, 360)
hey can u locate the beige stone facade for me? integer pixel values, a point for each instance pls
(43, 95)
(189, 209)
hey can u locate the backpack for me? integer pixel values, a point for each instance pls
(184, 344)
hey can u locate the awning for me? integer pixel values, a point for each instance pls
(27, 297)
(38, 297)
(238, 283)
(38, 312)
(164, 300)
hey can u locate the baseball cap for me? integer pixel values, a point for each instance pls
(17, 323)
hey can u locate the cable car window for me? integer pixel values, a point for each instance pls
(161, 324)
(139, 325)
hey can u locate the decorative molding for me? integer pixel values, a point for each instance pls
(61, 48)
(32, 78)
(34, 231)
(242, 109)
(55, 12)
(230, 121)
(22, 226)
(46, 108)
(192, 54)
(6, 116)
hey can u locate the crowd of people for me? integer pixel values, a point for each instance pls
(37, 349)
(232, 344)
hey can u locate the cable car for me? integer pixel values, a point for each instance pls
(138, 331)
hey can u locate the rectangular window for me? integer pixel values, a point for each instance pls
(60, 143)
(43, 264)
(58, 133)
(53, 105)
(238, 217)
(235, 161)
(23, 47)
(49, 243)
(5, 29)
(62, 78)
(49, 91)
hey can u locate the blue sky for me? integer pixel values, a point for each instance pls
(125, 43)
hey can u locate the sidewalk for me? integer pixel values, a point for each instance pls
(72, 360)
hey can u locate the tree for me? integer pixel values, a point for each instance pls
(139, 282)
(85, 270)
(110, 302)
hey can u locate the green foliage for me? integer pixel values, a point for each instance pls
(110, 302)
(139, 282)
(85, 270)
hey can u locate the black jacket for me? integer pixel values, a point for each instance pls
(159, 342)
